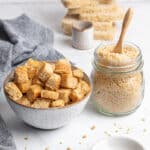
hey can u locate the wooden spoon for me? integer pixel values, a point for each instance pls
(126, 21)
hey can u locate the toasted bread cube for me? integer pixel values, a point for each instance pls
(45, 72)
(13, 91)
(24, 87)
(33, 63)
(33, 67)
(58, 103)
(36, 80)
(64, 94)
(52, 95)
(53, 66)
(24, 101)
(53, 82)
(78, 73)
(69, 82)
(84, 86)
(21, 74)
(63, 66)
(34, 92)
(76, 95)
(32, 72)
(41, 103)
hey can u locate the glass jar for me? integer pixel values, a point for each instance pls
(118, 82)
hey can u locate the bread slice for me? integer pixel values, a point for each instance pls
(68, 21)
(105, 35)
(83, 3)
(105, 8)
(103, 30)
(79, 3)
(100, 16)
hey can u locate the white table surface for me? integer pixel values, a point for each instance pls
(136, 125)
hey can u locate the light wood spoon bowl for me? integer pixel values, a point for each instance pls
(127, 19)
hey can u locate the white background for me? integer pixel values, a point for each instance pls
(50, 15)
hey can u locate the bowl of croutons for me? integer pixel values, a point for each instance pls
(45, 94)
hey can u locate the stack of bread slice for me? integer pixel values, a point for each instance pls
(102, 13)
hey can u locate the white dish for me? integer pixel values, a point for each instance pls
(119, 143)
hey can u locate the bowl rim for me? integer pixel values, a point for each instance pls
(11, 73)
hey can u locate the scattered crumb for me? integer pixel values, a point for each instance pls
(93, 127)
(47, 148)
(68, 148)
(108, 134)
(26, 138)
(84, 136)
(143, 119)
(115, 124)
(144, 130)
(116, 131)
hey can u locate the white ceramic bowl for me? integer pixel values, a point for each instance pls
(50, 118)
(119, 143)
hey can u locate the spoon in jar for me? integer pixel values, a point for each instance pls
(126, 21)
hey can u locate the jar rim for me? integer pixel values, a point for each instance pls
(109, 68)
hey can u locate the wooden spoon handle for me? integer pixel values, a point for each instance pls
(126, 22)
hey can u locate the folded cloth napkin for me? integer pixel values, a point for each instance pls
(20, 39)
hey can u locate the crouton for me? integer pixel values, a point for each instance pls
(84, 86)
(82, 89)
(53, 82)
(63, 66)
(21, 74)
(76, 95)
(41, 103)
(52, 95)
(64, 94)
(58, 103)
(45, 72)
(36, 80)
(69, 82)
(34, 92)
(24, 101)
(78, 73)
(13, 91)
(24, 87)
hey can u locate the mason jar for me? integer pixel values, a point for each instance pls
(118, 81)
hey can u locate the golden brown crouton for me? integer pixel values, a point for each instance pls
(45, 72)
(41, 103)
(76, 95)
(34, 92)
(24, 87)
(13, 91)
(63, 66)
(58, 103)
(21, 74)
(82, 89)
(85, 88)
(78, 73)
(33, 67)
(24, 101)
(36, 80)
(64, 94)
(53, 82)
(69, 82)
(33, 63)
(52, 95)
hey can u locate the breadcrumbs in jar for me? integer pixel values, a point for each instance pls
(118, 83)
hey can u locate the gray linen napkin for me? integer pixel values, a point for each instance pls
(20, 39)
